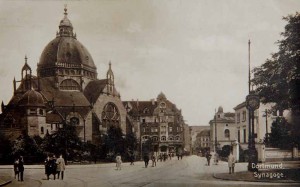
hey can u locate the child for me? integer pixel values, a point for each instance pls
(16, 169)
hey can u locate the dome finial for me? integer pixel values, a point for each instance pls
(65, 9)
(26, 59)
(110, 65)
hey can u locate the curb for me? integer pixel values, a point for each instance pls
(5, 183)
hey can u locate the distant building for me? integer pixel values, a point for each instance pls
(222, 129)
(204, 138)
(187, 139)
(158, 121)
(195, 131)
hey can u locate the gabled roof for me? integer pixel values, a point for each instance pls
(61, 98)
(53, 118)
(138, 107)
(94, 88)
(82, 110)
(243, 104)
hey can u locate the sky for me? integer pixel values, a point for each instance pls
(195, 52)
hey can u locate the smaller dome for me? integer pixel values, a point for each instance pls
(65, 21)
(220, 109)
(161, 96)
(32, 98)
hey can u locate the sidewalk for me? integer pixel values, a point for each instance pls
(5, 180)
(8, 179)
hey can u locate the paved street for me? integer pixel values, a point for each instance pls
(191, 171)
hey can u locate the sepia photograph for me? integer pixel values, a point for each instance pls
(149, 93)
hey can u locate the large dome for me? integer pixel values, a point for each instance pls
(65, 52)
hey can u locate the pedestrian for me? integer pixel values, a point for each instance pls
(21, 168)
(132, 158)
(146, 160)
(208, 157)
(118, 161)
(165, 157)
(153, 160)
(160, 157)
(170, 156)
(51, 167)
(61, 166)
(16, 169)
(216, 158)
(45, 163)
(231, 163)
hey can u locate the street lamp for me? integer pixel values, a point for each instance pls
(252, 103)
(216, 131)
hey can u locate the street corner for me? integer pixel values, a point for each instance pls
(274, 176)
(5, 180)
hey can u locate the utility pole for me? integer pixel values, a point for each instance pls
(216, 131)
(267, 134)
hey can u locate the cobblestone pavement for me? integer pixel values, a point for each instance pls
(190, 171)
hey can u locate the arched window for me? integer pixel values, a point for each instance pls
(74, 121)
(146, 111)
(110, 115)
(163, 138)
(227, 133)
(155, 138)
(69, 84)
(42, 130)
(41, 112)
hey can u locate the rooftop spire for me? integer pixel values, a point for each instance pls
(26, 59)
(65, 25)
(65, 9)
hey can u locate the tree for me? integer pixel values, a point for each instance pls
(5, 150)
(114, 142)
(280, 134)
(277, 80)
(27, 147)
(131, 141)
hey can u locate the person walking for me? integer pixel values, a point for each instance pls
(61, 166)
(153, 160)
(216, 158)
(146, 160)
(231, 163)
(51, 167)
(21, 168)
(132, 158)
(16, 169)
(208, 157)
(118, 161)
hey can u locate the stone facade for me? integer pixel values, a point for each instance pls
(261, 124)
(224, 125)
(158, 121)
(66, 90)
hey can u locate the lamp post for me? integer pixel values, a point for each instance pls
(216, 142)
(252, 103)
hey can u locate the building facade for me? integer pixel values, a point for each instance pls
(222, 129)
(263, 119)
(158, 121)
(195, 138)
(65, 90)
